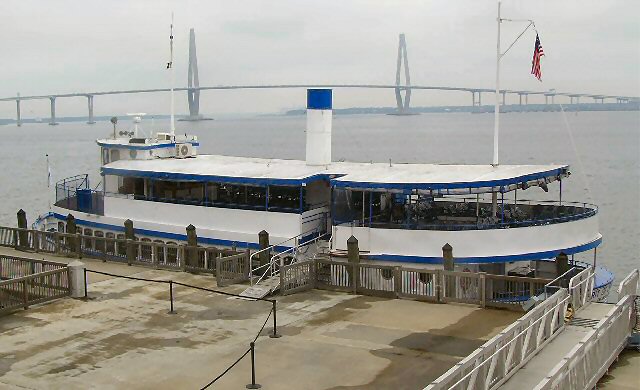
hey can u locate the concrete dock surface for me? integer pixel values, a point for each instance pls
(124, 337)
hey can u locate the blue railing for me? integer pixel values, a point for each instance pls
(74, 193)
(548, 214)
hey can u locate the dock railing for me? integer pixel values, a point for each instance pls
(143, 252)
(486, 290)
(25, 282)
(499, 358)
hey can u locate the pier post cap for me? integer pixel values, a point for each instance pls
(263, 233)
(76, 264)
(352, 240)
(447, 247)
(70, 217)
(191, 227)
(21, 212)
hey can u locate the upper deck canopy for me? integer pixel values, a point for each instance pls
(374, 176)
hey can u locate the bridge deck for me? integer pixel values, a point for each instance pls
(537, 368)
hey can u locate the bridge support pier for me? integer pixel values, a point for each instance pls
(402, 104)
(90, 121)
(18, 118)
(52, 121)
(193, 94)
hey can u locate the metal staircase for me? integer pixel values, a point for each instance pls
(268, 281)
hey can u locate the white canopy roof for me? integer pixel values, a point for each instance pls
(261, 171)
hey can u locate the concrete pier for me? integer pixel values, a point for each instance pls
(122, 336)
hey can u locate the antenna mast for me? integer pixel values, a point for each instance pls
(170, 65)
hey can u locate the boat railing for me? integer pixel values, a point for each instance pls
(539, 214)
(74, 193)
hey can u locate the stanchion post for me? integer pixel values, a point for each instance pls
(275, 334)
(85, 283)
(171, 311)
(253, 384)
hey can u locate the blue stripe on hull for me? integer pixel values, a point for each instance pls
(492, 259)
(169, 236)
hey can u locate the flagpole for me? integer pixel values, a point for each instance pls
(48, 182)
(173, 121)
(496, 121)
(496, 125)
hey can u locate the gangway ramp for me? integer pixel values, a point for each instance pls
(529, 375)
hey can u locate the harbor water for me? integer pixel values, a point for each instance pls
(602, 148)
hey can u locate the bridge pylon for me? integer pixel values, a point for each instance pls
(403, 103)
(193, 81)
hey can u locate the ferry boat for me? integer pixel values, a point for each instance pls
(400, 213)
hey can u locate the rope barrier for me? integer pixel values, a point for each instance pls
(251, 299)
(227, 370)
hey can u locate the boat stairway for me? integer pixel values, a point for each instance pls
(268, 284)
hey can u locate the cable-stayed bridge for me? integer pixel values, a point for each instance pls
(193, 90)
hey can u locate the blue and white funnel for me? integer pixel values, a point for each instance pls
(319, 114)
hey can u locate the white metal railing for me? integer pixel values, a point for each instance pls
(588, 361)
(581, 288)
(629, 285)
(295, 239)
(277, 261)
(499, 358)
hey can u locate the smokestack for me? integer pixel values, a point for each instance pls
(319, 114)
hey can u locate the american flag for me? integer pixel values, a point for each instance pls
(535, 64)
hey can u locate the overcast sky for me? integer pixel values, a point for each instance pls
(66, 46)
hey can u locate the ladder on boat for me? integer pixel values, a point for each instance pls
(265, 279)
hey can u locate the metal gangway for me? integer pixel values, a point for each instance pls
(565, 342)
(264, 279)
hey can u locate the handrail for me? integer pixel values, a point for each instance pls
(584, 364)
(472, 375)
(252, 257)
(271, 264)
(629, 285)
(589, 210)
(580, 296)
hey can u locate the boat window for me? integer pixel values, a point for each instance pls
(236, 196)
(131, 186)
(105, 156)
(178, 191)
(61, 227)
(355, 206)
(115, 155)
(284, 198)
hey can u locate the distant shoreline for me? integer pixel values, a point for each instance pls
(631, 106)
